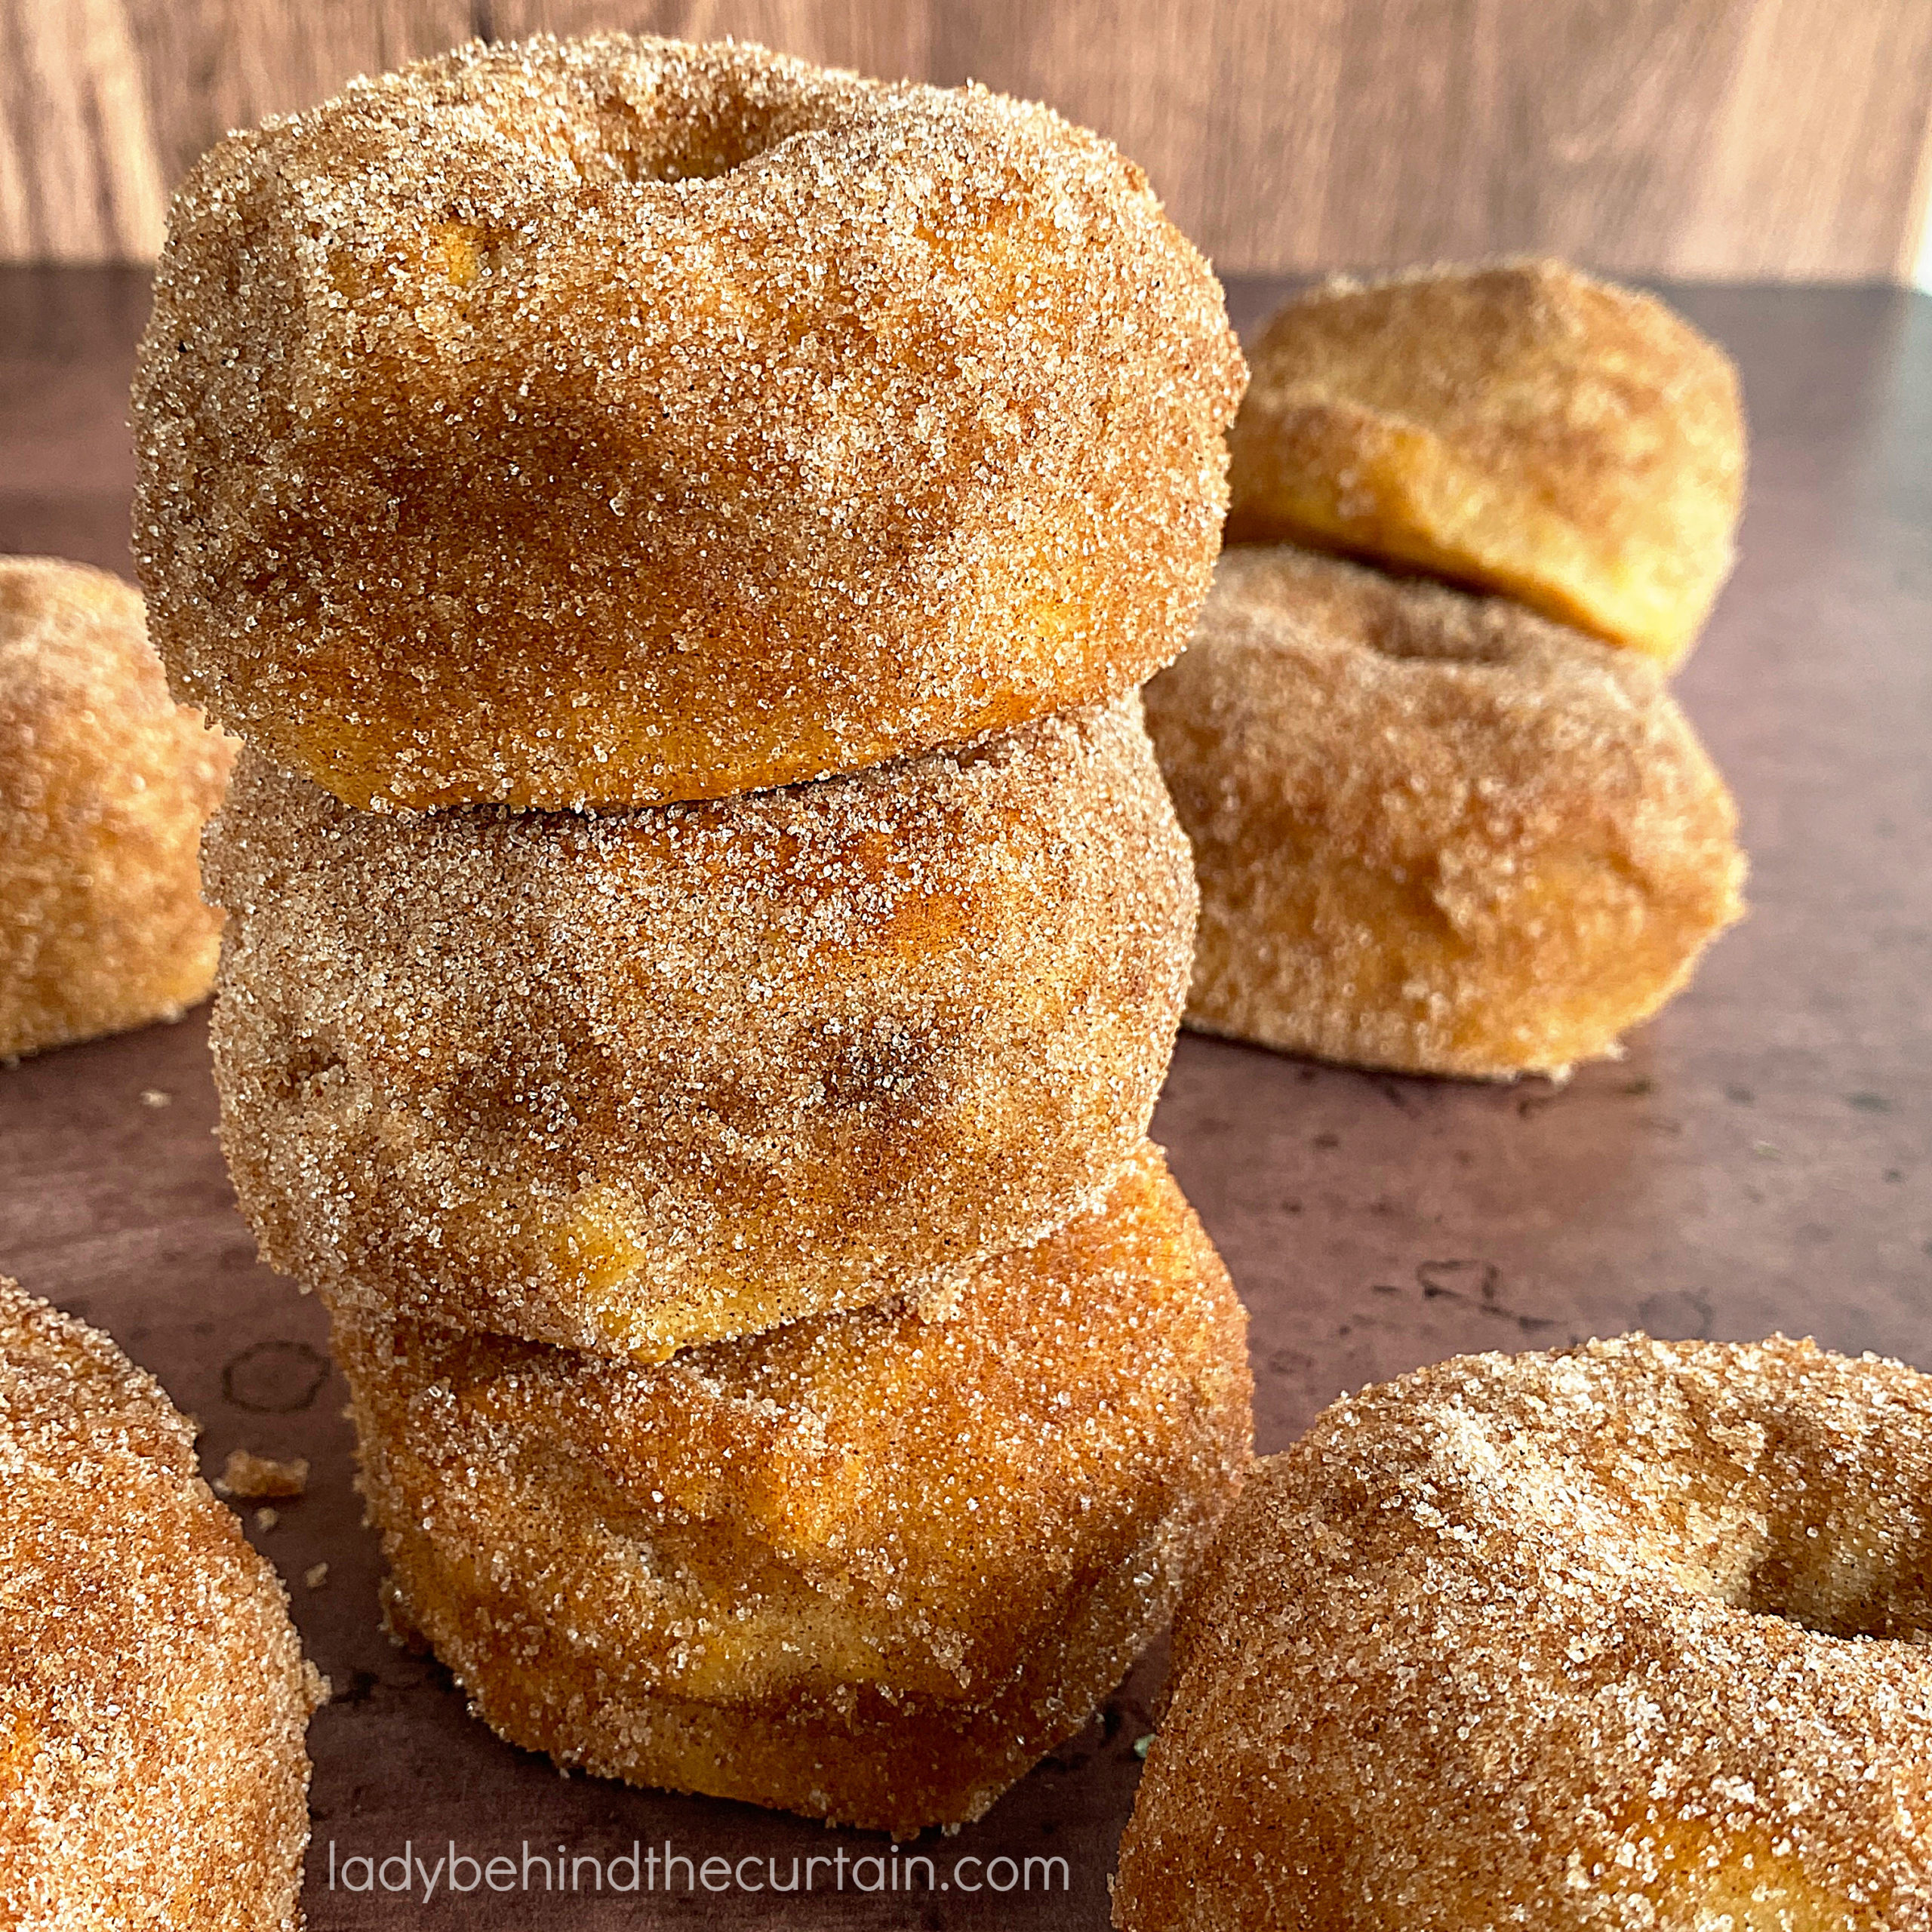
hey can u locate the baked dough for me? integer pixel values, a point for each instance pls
(606, 421)
(1633, 1636)
(1433, 832)
(868, 1567)
(628, 1082)
(152, 1771)
(104, 784)
(1514, 427)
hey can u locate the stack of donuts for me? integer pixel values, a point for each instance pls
(1460, 826)
(679, 532)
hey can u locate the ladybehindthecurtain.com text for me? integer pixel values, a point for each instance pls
(645, 1868)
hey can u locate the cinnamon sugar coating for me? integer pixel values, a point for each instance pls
(104, 784)
(1433, 832)
(608, 421)
(867, 1566)
(1633, 1636)
(1515, 426)
(627, 1082)
(153, 1697)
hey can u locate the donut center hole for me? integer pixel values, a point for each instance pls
(678, 142)
(1426, 644)
(1840, 1579)
(1828, 1609)
(307, 1065)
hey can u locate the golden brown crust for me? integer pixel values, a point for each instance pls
(104, 784)
(869, 1566)
(151, 1765)
(615, 420)
(1433, 831)
(1631, 1636)
(1515, 426)
(628, 1082)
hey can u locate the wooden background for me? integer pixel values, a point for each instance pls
(1697, 138)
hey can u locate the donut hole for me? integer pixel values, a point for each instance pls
(676, 139)
(1335, 614)
(1820, 1520)
(1845, 1579)
(1439, 644)
(1825, 1535)
(671, 148)
(307, 1067)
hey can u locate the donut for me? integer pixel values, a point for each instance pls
(1632, 1636)
(1434, 832)
(1515, 427)
(868, 1567)
(152, 1768)
(627, 1082)
(104, 784)
(618, 420)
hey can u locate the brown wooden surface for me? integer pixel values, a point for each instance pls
(1759, 1160)
(1719, 138)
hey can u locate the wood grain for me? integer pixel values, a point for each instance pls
(1709, 138)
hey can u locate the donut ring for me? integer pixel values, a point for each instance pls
(104, 784)
(1515, 427)
(627, 1083)
(1433, 832)
(603, 422)
(1632, 1636)
(868, 1567)
(152, 1770)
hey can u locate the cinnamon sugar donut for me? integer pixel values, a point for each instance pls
(104, 784)
(152, 1771)
(628, 1082)
(1433, 832)
(868, 1567)
(609, 421)
(1516, 427)
(1632, 1636)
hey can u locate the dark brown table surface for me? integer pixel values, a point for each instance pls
(1759, 1159)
